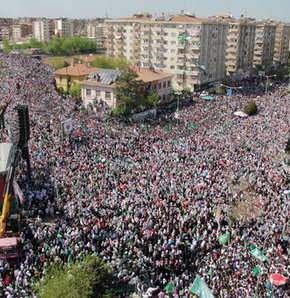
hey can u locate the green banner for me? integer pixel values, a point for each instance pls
(200, 288)
(224, 239)
(258, 255)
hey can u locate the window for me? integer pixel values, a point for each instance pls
(172, 67)
(88, 92)
(60, 78)
(159, 86)
(164, 84)
(168, 83)
(108, 95)
(98, 93)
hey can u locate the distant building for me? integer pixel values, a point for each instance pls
(68, 76)
(192, 49)
(42, 30)
(96, 31)
(240, 48)
(63, 28)
(282, 40)
(98, 90)
(21, 31)
(264, 45)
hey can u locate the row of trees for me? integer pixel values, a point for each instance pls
(57, 46)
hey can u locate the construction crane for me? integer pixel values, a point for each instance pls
(10, 154)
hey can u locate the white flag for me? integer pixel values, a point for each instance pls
(67, 125)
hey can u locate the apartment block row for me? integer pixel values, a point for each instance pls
(198, 51)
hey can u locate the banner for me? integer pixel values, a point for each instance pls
(258, 255)
(18, 192)
(200, 288)
(224, 239)
(67, 126)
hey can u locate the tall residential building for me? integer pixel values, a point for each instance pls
(282, 40)
(96, 30)
(6, 28)
(192, 49)
(264, 45)
(21, 31)
(42, 30)
(240, 48)
(63, 28)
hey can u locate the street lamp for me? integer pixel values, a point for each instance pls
(266, 89)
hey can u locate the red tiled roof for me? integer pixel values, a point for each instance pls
(75, 70)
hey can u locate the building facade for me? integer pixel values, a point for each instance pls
(177, 44)
(282, 40)
(240, 48)
(98, 90)
(68, 76)
(264, 45)
(42, 30)
(63, 28)
(96, 31)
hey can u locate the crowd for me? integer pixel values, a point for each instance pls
(153, 199)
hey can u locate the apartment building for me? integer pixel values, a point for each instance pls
(240, 48)
(6, 28)
(96, 30)
(192, 49)
(63, 28)
(264, 45)
(21, 31)
(42, 30)
(282, 40)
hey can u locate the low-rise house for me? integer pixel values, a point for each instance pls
(98, 90)
(68, 76)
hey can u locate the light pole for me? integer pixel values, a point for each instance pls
(266, 89)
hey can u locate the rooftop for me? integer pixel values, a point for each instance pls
(75, 70)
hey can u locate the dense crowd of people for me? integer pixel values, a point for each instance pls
(153, 199)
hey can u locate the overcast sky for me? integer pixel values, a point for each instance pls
(277, 10)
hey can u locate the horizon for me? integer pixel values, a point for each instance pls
(113, 9)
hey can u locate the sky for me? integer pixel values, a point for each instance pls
(278, 10)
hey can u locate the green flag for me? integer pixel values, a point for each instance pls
(224, 239)
(169, 288)
(210, 273)
(200, 288)
(256, 271)
(268, 287)
(258, 255)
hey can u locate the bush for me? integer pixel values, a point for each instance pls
(250, 108)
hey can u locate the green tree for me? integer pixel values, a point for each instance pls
(6, 46)
(250, 108)
(220, 89)
(111, 63)
(129, 90)
(75, 91)
(89, 278)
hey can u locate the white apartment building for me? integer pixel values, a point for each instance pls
(96, 31)
(42, 30)
(264, 45)
(282, 39)
(192, 49)
(240, 48)
(63, 28)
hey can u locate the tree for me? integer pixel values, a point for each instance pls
(75, 91)
(129, 90)
(220, 89)
(250, 108)
(89, 278)
(111, 63)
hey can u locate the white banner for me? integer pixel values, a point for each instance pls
(18, 192)
(67, 126)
